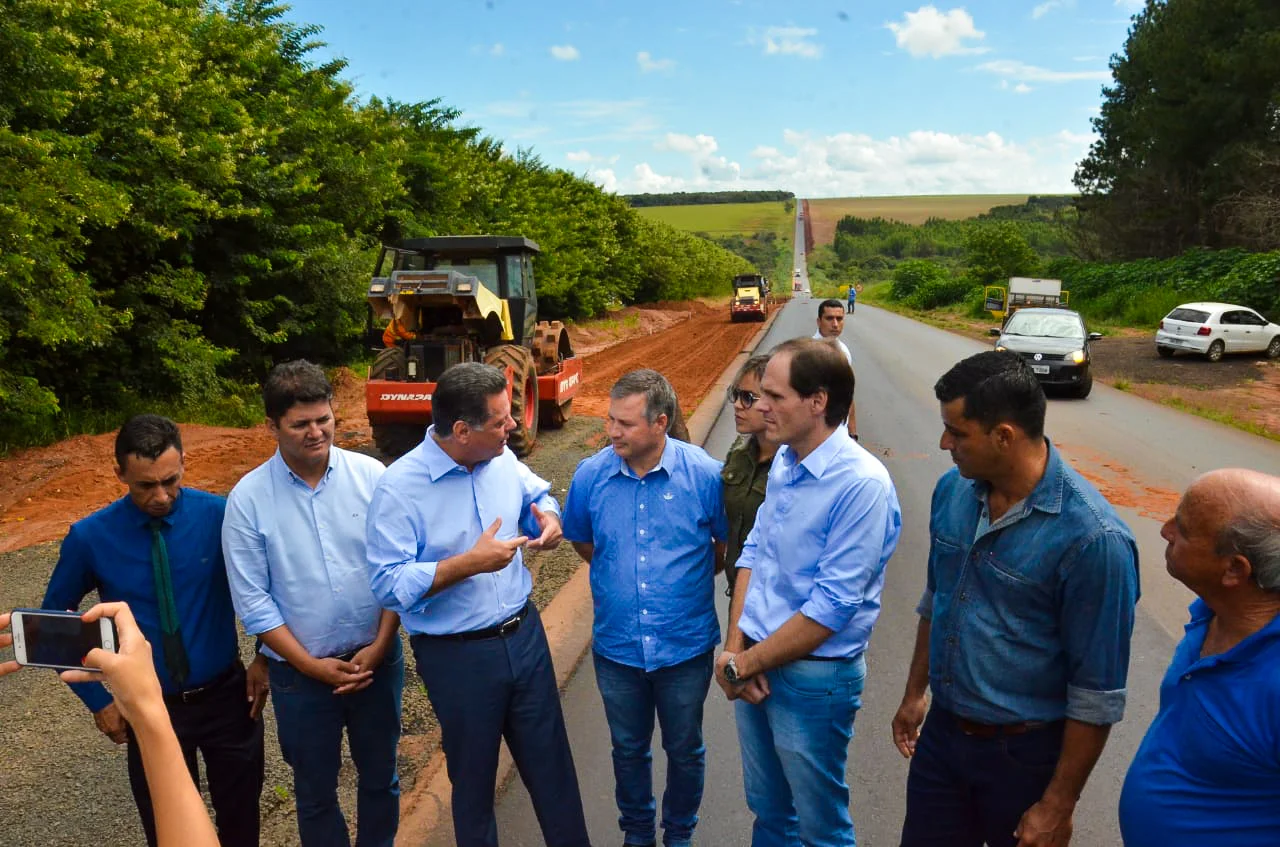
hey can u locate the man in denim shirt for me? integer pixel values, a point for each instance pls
(647, 514)
(1024, 626)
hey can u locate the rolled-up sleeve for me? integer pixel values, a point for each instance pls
(1099, 595)
(576, 519)
(859, 528)
(248, 572)
(399, 582)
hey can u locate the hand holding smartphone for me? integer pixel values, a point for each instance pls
(59, 640)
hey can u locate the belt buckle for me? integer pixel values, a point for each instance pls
(190, 694)
(509, 626)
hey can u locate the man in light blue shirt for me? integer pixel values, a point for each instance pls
(647, 514)
(294, 542)
(805, 600)
(445, 537)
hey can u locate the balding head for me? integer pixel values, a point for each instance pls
(1237, 512)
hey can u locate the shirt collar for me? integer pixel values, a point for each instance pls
(438, 462)
(666, 463)
(282, 465)
(144, 520)
(1201, 615)
(818, 461)
(1047, 496)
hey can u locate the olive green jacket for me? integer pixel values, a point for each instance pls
(743, 478)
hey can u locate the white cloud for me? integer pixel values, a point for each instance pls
(928, 32)
(604, 177)
(701, 150)
(1031, 73)
(1023, 88)
(565, 53)
(851, 164)
(648, 64)
(1132, 5)
(1048, 6)
(578, 156)
(497, 49)
(789, 41)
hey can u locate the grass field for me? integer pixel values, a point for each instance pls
(725, 218)
(911, 210)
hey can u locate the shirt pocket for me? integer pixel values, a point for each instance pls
(1017, 598)
(946, 559)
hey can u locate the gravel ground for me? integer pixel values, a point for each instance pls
(63, 783)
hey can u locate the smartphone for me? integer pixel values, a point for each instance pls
(60, 640)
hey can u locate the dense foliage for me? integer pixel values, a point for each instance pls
(185, 197)
(1188, 153)
(705, 198)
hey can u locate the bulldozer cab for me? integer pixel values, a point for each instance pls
(484, 284)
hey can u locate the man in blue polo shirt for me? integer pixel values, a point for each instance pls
(806, 597)
(158, 549)
(647, 514)
(1208, 770)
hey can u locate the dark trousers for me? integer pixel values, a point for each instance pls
(504, 687)
(217, 724)
(966, 791)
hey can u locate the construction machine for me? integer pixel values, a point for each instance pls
(463, 298)
(750, 300)
(1023, 291)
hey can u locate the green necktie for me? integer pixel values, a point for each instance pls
(175, 655)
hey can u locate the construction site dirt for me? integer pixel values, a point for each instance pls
(62, 762)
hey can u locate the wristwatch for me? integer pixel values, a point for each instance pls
(731, 671)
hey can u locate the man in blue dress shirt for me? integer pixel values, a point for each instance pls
(295, 549)
(1024, 625)
(158, 549)
(805, 600)
(1208, 771)
(647, 513)
(446, 528)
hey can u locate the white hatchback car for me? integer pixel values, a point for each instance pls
(1213, 329)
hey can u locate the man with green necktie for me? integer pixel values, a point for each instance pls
(159, 549)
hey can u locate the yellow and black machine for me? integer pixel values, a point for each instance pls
(1021, 292)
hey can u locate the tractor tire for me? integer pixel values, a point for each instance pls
(524, 394)
(552, 415)
(551, 346)
(393, 440)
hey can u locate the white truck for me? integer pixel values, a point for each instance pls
(1023, 291)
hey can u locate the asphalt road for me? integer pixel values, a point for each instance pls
(897, 361)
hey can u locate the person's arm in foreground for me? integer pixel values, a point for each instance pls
(180, 815)
(910, 715)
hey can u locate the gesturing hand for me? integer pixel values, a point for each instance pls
(551, 530)
(493, 553)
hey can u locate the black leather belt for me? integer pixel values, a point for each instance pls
(195, 695)
(501, 630)
(750, 642)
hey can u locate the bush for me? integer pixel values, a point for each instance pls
(942, 291)
(913, 275)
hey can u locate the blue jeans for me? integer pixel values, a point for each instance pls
(966, 791)
(632, 697)
(795, 746)
(310, 719)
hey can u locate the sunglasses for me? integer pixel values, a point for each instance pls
(746, 398)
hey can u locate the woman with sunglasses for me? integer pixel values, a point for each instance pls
(746, 468)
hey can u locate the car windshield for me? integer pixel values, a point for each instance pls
(1045, 326)
(1191, 316)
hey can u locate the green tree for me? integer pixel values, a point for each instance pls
(996, 251)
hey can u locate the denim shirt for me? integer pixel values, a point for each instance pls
(1031, 618)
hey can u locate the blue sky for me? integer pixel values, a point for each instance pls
(826, 99)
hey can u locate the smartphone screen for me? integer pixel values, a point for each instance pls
(58, 640)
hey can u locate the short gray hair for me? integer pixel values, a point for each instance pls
(659, 396)
(1255, 534)
(462, 394)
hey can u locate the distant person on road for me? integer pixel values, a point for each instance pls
(180, 816)
(853, 297)
(806, 598)
(159, 549)
(1024, 624)
(746, 467)
(647, 514)
(830, 325)
(446, 528)
(1208, 770)
(294, 541)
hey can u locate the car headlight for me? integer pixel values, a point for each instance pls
(1078, 357)
(1000, 348)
